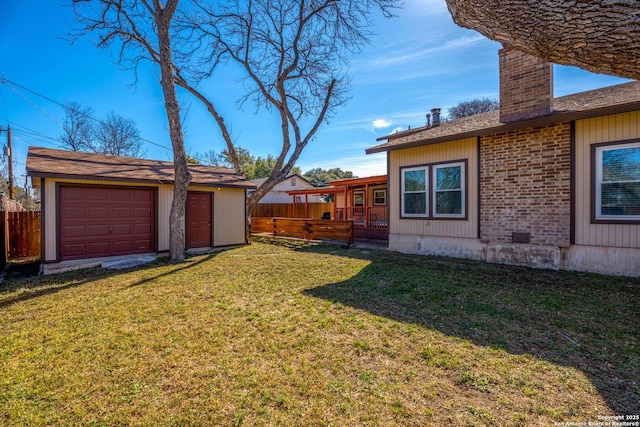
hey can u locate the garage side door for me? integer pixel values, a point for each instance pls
(198, 221)
(105, 221)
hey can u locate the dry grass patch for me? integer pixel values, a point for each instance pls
(317, 335)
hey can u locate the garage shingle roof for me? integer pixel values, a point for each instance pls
(47, 162)
(609, 100)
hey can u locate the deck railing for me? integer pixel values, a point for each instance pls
(368, 217)
(304, 228)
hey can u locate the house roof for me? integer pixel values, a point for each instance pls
(259, 181)
(342, 185)
(50, 163)
(319, 190)
(378, 179)
(609, 100)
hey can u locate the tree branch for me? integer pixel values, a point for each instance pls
(599, 36)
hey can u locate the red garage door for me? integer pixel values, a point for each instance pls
(105, 221)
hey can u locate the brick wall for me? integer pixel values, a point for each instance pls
(525, 182)
(526, 86)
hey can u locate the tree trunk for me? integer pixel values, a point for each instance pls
(255, 197)
(182, 175)
(597, 35)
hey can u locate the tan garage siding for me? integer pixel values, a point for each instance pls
(464, 149)
(229, 224)
(616, 127)
(165, 198)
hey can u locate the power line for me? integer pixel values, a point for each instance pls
(24, 129)
(33, 104)
(29, 138)
(23, 132)
(9, 84)
(4, 105)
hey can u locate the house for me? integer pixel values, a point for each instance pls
(278, 194)
(361, 200)
(543, 182)
(103, 206)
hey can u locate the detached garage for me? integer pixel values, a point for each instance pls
(96, 206)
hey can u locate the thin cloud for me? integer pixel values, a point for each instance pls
(415, 51)
(381, 124)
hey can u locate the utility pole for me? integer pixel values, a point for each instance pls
(12, 195)
(9, 153)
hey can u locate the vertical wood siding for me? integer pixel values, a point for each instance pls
(229, 217)
(23, 234)
(51, 213)
(165, 198)
(616, 127)
(464, 149)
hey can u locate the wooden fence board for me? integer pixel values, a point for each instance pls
(304, 228)
(4, 238)
(23, 234)
(286, 210)
(261, 225)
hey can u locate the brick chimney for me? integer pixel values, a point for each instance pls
(526, 86)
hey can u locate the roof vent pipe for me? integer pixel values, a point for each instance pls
(428, 120)
(436, 116)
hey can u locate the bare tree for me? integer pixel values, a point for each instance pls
(469, 108)
(116, 135)
(78, 127)
(211, 158)
(142, 30)
(599, 36)
(294, 56)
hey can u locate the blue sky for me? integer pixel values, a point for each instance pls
(415, 62)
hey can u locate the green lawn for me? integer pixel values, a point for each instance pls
(303, 335)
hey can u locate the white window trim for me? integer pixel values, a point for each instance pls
(383, 191)
(463, 190)
(426, 192)
(598, 184)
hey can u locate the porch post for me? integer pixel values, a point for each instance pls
(306, 205)
(335, 205)
(366, 205)
(293, 214)
(345, 204)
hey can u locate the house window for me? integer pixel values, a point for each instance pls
(436, 190)
(379, 197)
(358, 198)
(448, 182)
(293, 182)
(414, 191)
(617, 182)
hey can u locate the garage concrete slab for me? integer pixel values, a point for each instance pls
(129, 262)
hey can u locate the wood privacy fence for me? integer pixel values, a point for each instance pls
(19, 235)
(304, 228)
(286, 210)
